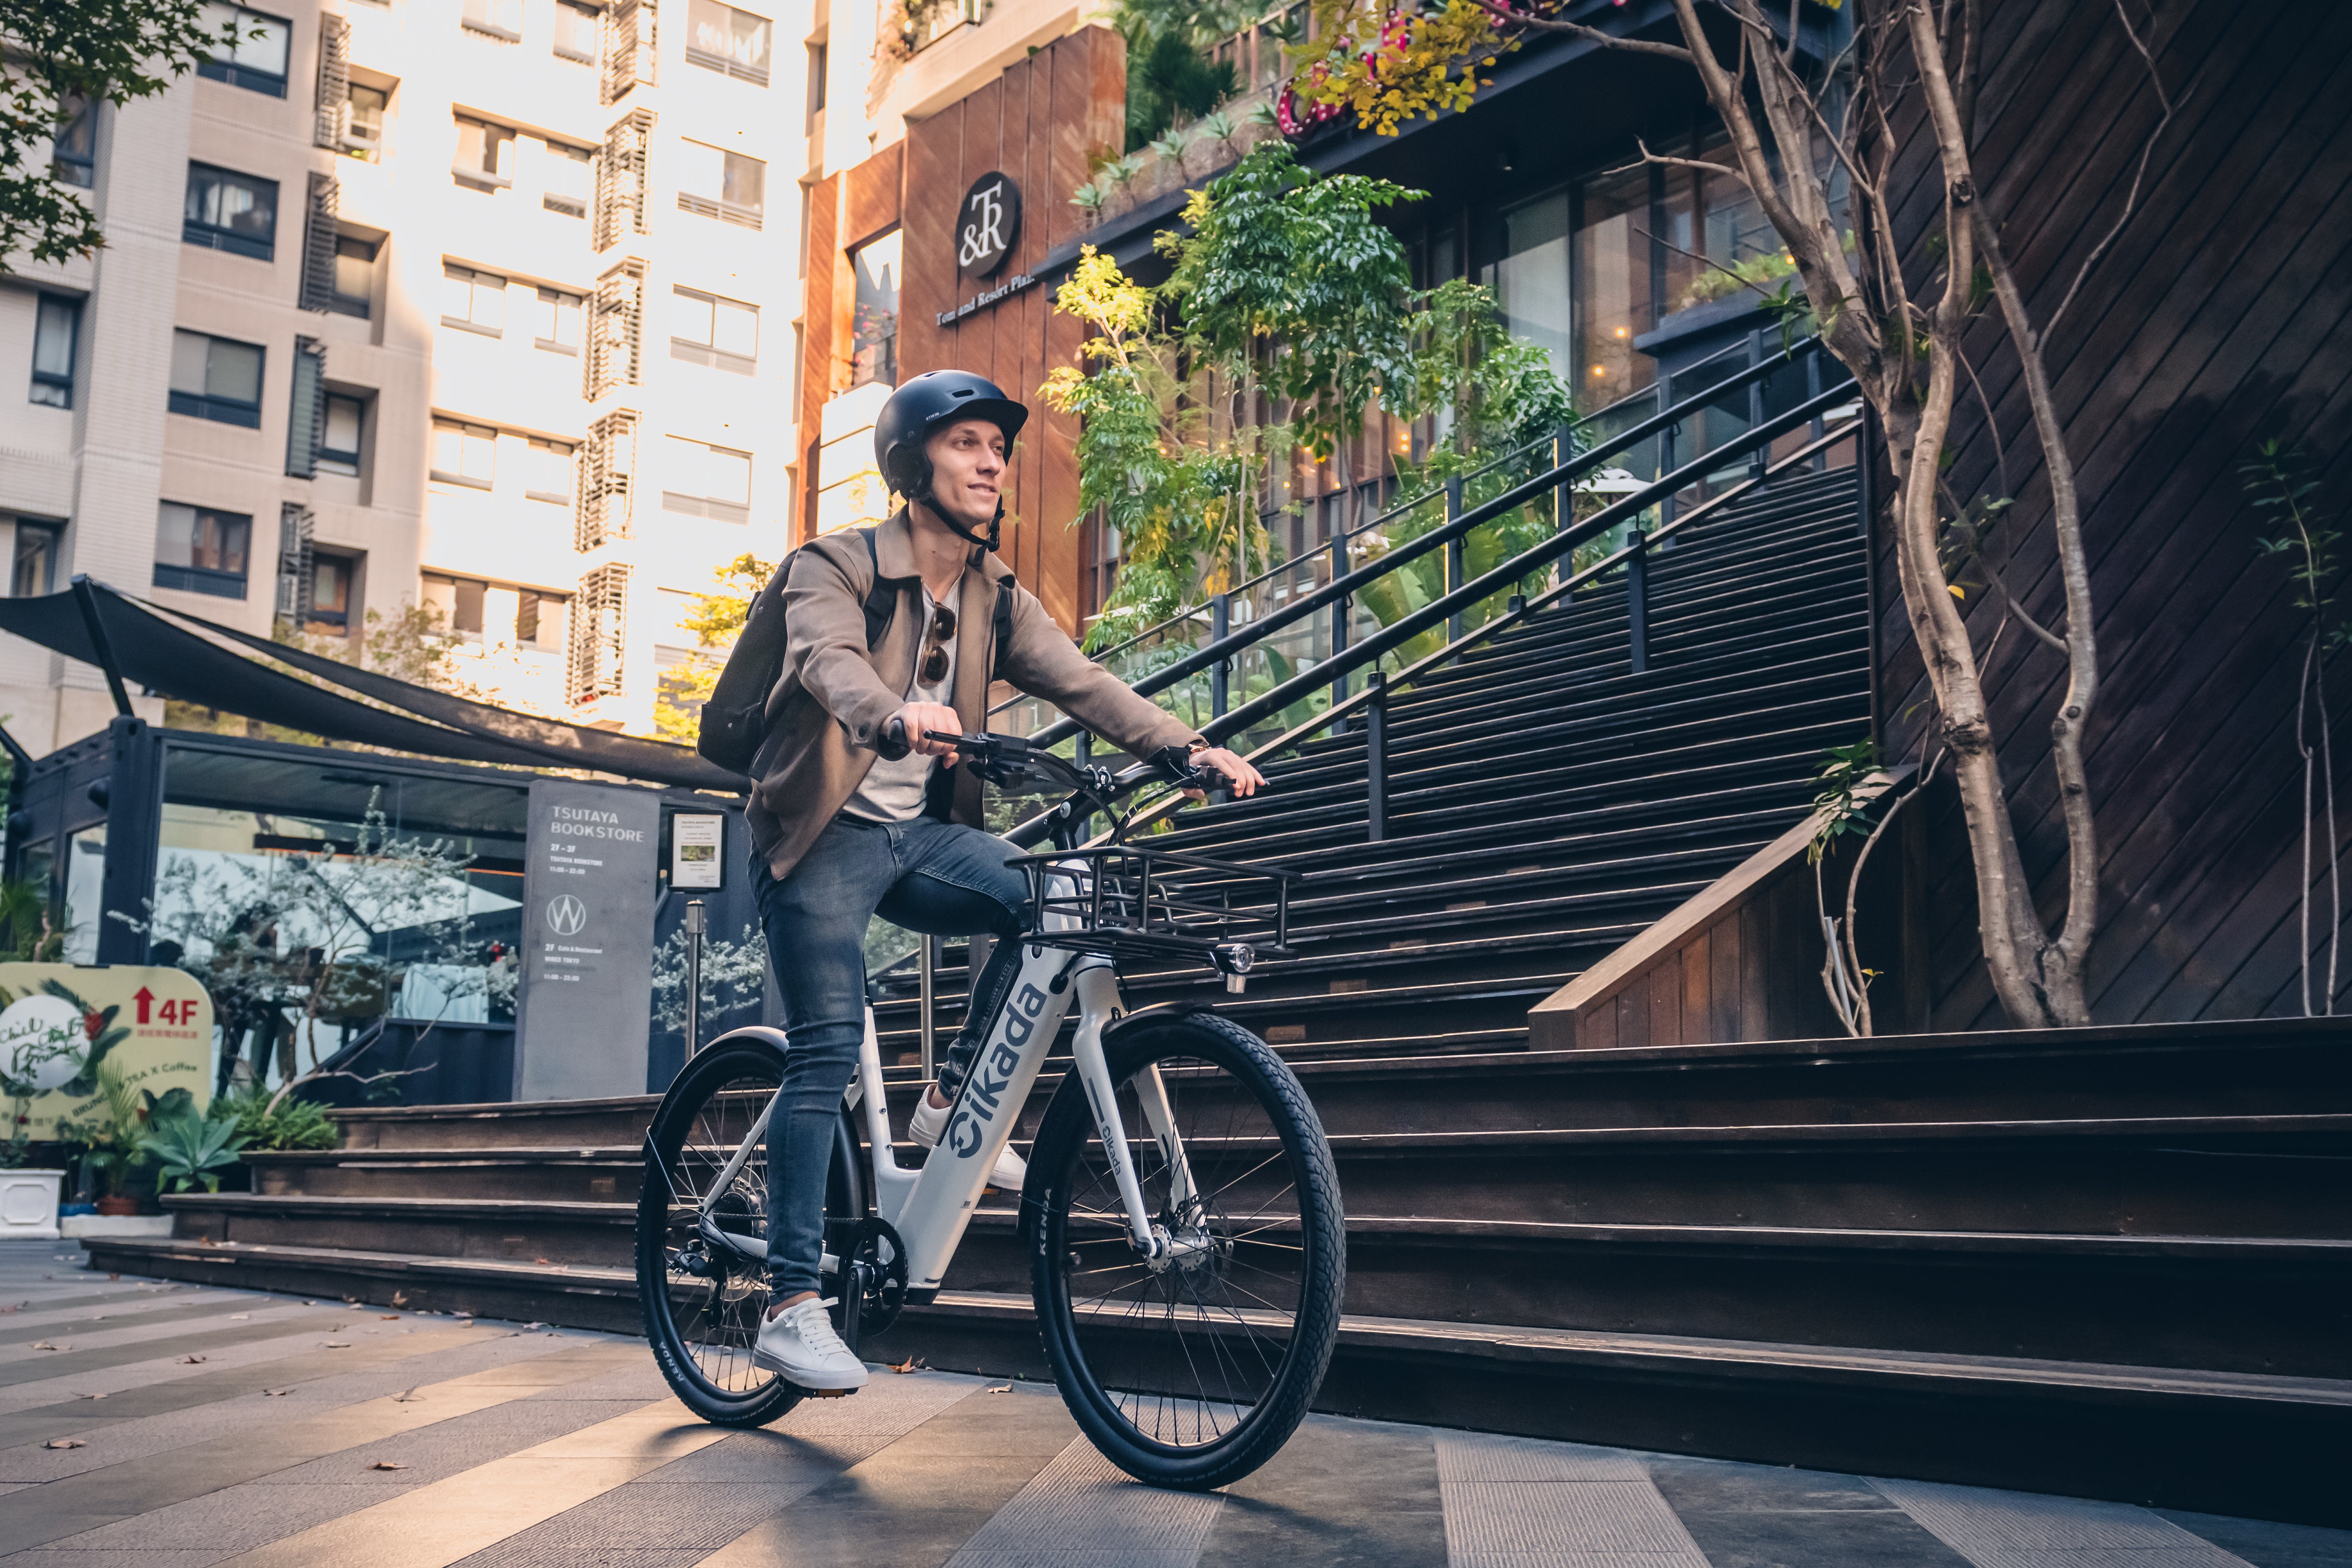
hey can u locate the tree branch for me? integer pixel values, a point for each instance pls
(2131, 198)
(1579, 30)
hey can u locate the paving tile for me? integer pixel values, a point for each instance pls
(2267, 1544)
(1765, 1516)
(2019, 1529)
(919, 1499)
(1083, 1511)
(1486, 1457)
(43, 1321)
(1354, 1492)
(198, 1409)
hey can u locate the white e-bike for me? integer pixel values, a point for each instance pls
(1181, 1221)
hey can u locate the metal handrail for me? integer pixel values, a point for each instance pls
(1496, 579)
(1486, 511)
(1193, 612)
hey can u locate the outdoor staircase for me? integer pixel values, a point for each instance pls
(2109, 1261)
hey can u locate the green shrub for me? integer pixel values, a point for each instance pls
(295, 1124)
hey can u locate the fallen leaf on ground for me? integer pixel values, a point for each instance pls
(406, 1396)
(387, 1464)
(400, 1297)
(338, 1344)
(543, 1261)
(309, 1304)
(276, 1392)
(1006, 1388)
(44, 1345)
(90, 1396)
(912, 1364)
(194, 1360)
(65, 1443)
(114, 1277)
(206, 1241)
(391, 1317)
(534, 1325)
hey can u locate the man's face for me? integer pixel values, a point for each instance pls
(967, 470)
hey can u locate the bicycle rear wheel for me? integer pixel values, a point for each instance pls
(702, 1302)
(1194, 1368)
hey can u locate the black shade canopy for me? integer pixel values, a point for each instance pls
(151, 647)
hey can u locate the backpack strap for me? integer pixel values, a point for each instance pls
(1001, 628)
(881, 599)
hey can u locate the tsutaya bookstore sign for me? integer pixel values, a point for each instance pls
(589, 886)
(987, 228)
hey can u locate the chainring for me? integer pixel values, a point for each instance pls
(874, 1244)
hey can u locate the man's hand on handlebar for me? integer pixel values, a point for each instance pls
(1239, 776)
(930, 728)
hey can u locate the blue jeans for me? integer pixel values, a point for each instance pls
(938, 878)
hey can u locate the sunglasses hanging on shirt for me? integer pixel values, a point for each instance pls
(935, 657)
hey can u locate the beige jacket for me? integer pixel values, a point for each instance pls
(833, 697)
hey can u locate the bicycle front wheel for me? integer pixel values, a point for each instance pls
(1190, 1369)
(702, 1302)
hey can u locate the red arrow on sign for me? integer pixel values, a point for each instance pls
(145, 998)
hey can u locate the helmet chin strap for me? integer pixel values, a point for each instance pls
(995, 524)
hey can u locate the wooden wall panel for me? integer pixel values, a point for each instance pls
(2221, 314)
(934, 154)
(870, 197)
(821, 256)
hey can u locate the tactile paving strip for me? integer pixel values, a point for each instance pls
(1521, 1503)
(2017, 1530)
(1083, 1511)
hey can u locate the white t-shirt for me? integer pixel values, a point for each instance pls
(893, 791)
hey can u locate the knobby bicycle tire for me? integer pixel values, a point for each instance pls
(1120, 1355)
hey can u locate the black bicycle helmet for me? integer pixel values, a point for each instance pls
(922, 405)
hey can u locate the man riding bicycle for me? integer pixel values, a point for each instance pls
(893, 635)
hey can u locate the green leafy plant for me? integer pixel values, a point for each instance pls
(1089, 198)
(290, 1124)
(113, 1135)
(28, 933)
(189, 1150)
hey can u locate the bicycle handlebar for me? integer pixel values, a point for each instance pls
(1010, 760)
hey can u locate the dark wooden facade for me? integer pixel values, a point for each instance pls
(2218, 319)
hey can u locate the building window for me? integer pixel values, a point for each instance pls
(340, 433)
(329, 598)
(35, 569)
(257, 60)
(363, 128)
(575, 32)
(200, 550)
(474, 300)
(721, 38)
(485, 155)
(550, 477)
(714, 182)
(724, 333)
(459, 600)
(541, 620)
(874, 328)
(231, 212)
(569, 170)
(464, 455)
(816, 83)
(707, 482)
(354, 290)
(73, 152)
(558, 323)
(498, 18)
(216, 378)
(56, 327)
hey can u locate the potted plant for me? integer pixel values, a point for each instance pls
(187, 1148)
(113, 1139)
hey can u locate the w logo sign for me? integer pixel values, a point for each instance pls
(988, 226)
(566, 915)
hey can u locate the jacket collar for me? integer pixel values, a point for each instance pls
(894, 551)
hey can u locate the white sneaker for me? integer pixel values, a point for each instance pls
(929, 1121)
(799, 1345)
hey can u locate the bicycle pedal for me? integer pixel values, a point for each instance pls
(829, 1392)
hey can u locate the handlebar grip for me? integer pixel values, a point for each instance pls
(891, 742)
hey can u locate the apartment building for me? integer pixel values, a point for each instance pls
(485, 305)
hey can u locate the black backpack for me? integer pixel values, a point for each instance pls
(735, 719)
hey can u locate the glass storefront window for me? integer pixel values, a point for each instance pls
(379, 894)
(1531, 281)
(1614, 304)
(85, 892)
(1712, 216)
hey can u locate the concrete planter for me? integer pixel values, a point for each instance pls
(79, 1224)
(28, 1205)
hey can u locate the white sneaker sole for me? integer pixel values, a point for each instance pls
(766, 1362)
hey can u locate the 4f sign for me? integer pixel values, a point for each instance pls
(988, 226)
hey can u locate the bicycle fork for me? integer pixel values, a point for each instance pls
(1098, 997)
